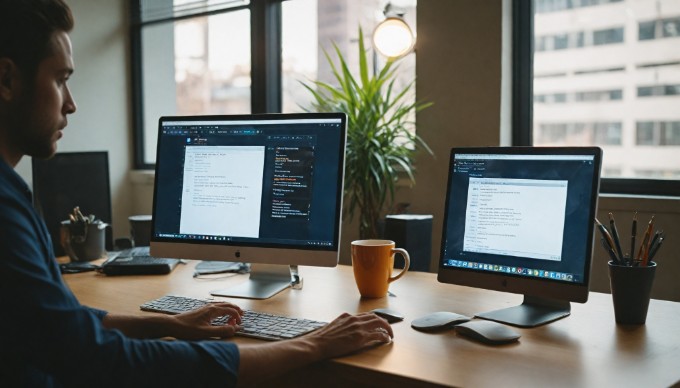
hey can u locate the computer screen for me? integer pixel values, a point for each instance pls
(520, 219)
(67, 180)
(261, 189)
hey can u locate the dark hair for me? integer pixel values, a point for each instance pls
(26, 27)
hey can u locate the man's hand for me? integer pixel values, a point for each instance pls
(346, 334)
(192, 325)
(351, 333)
(196, 324)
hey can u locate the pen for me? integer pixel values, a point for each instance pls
(633, 232)
(605, 235)
(655, 239)
(612, 255)
(615, 235)
(655, 248)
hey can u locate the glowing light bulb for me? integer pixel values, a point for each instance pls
(393, 38)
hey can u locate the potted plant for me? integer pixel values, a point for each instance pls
(380, 143)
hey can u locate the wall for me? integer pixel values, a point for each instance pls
(100, 86)
(459, 67)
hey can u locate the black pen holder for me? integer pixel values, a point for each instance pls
(631, 289)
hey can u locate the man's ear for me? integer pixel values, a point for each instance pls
(9, 79)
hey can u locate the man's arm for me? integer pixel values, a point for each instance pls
(192, 325)
(346, 334)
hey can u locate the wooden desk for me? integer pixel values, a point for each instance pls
(584, 349)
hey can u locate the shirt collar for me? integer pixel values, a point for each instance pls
(15, 179)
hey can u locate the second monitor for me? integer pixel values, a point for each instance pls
(263, 189)
(520, 219)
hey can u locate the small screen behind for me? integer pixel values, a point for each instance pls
(71, 179)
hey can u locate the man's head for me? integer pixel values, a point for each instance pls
(35, 63)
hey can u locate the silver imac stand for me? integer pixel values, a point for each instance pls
(534, 311)
(266, 280)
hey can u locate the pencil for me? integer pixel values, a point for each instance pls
(643, 253)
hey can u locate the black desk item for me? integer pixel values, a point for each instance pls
(488, 332)
(412, 232)
(440, 320)
(71, 179)
(77, 267)
(137, 261)
(391, 316)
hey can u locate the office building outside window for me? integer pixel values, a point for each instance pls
(196, 57)
(607, 73)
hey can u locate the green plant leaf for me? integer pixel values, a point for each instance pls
(380, 142)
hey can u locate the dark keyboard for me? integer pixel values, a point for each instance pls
(253, 324)
(144, 260)
(138, 261)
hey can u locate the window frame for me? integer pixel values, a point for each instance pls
(523, 100)
(265, 49)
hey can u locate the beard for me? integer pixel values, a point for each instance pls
(30, 132)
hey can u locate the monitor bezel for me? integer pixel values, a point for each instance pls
(506, 282)
(265, 253)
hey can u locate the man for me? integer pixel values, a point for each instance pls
(46, 337)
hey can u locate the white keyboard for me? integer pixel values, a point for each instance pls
(253, 324)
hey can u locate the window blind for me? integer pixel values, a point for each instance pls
(158, 10)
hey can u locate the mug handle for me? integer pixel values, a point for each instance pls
(407, 263)
(65, 240)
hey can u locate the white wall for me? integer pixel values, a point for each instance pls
(101, 88)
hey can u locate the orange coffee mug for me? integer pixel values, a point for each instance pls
(373, 261)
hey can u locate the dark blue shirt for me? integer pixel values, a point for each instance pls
(47, 338)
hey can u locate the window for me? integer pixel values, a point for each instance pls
(659, 90)
(564, 134)
(310, 27)
(193, 57)
(647, 30)
(608, 36)
(189, 57)
(578, 39)
(660, 28)
(658, 133)
(543, 6)
(645, 133)
(618, 90)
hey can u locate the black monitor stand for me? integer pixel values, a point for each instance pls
(534, 311)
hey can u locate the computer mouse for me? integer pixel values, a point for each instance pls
(438, 321)
(389, 315)
(488, 332)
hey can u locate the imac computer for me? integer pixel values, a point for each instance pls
(261, 189)
(520, 220)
